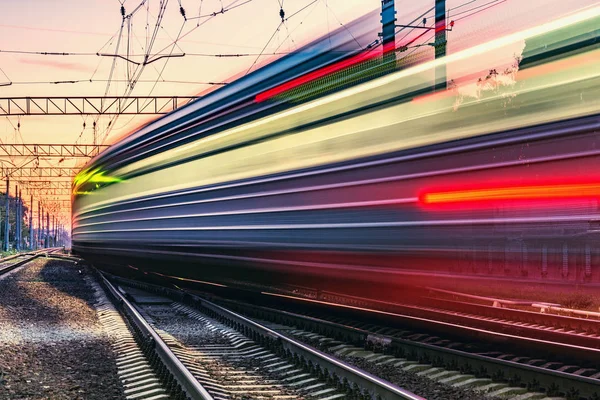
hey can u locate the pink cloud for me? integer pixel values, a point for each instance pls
(57, 64)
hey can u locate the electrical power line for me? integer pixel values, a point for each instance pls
(479, 9)
(100, 54)
(9, 82)
(77, 81)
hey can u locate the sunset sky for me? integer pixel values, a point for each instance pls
(93, 26)
(87, 27)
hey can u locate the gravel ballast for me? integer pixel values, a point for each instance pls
(52, 345)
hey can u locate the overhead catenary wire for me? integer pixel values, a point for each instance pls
(289, 33)
(283, 22)
(223, 10)
(209, 17)
(265, 46)
(101, 54)
(471, 11)
(78, 81)
(136, 74)
(148, 51)
(113, 120)
(8, 79)
(341, 24)
(463, 5)
(464, 10)
(489, 5)
(276, 52)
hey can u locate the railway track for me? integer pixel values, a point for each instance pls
(515, 363)
(580, 332)
(233, 356)
(48, 305)
(147, 366)
(451, 359)
(10, 263)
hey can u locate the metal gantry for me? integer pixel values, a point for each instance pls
(29, 184)
(51, 186)
(48, 191)
(93, 105)
(19, 173)
(51, 150)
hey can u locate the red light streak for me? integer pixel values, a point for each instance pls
(541, 192)
(330, 69)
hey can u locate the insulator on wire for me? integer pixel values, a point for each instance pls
(424, 21)
(182, 11)
(282, 14)
(84, 125)
(123, 10)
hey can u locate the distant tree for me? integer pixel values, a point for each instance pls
(13, 220)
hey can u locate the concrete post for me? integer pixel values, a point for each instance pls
(31, 224)
(17, 218)
(38, 237)
(47, 229)
(7, 216)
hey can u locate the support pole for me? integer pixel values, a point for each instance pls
(19, 221)
(42, 231)
(47, 229)
(6, 219)
(388, 33)
(17, 217)
(440, 44)
(31, 224)
(39, 226)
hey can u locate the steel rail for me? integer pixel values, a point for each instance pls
(451, 324)
(184, 377)
(534, 373)
(568, 323)
(372, 383)
(473, 310)
(34, 255)
(377, 386)
(546, 377)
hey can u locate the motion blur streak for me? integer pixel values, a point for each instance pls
(375, 311)
(329, 164)
(591, 190)
(316, 143)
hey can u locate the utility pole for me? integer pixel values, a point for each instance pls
(39, 225)
(47, 229)
(43, 228)
(388, 33)
(440, 44)
(19, 221)
(17, 217)
(6, 220)
(31, 224)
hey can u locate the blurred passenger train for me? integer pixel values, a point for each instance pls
(326, 163)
